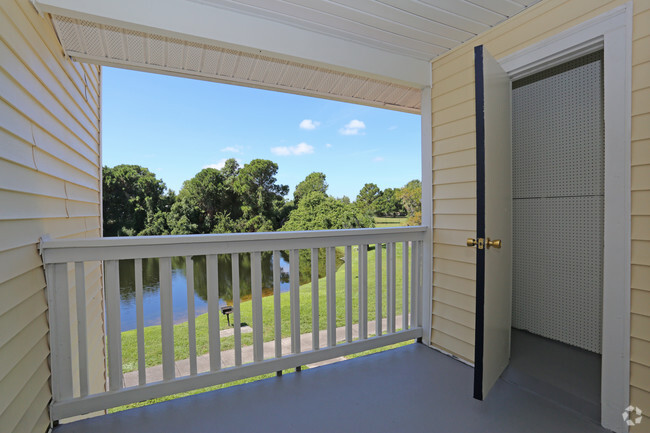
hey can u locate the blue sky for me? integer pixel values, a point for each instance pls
(177, 126)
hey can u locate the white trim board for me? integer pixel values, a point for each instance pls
(612, 32)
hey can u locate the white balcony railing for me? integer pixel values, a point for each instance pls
(68, 257)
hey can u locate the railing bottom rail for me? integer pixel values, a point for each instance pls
(76, 406)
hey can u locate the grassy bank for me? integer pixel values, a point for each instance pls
(152, 334)
(383, 222)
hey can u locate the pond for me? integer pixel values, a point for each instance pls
(151, 283)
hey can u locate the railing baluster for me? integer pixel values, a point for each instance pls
(393, 286)
(378, 312)
(348, 293)
(214, 338)
(389, 291)
(414, 282)
(420, 289)
(256, 290)
(60, 339)
(405, 285)
(167, 318)
(191, 313)
(277, 306)
(139, 319)
(236, 306)
(113, 326)
(330, 265)
(363, 291)
(82, 325)
(315, 320)
(294, 294)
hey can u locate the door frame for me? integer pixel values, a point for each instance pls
(611, 32)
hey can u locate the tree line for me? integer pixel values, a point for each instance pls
(236, 199)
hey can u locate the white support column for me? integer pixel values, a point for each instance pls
(427, 213)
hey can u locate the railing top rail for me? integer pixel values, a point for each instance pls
(117, 248)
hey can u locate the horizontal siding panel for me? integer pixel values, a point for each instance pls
(451, 99)
(17, 261)
(17, 233)
(38, 34)
(42, 89)
(452, 237)
(455, 206)
(453, 345)
(457, 159)
(454, 329)
(640, 398)
(15, 150)
(27, 206)
(455, 284)
(458, 269)
(455, 128)
(445, 85)
(26, 398)
(24, 103)
(455, 190)
(12, 352)
(455, 144)
(641, 23)
(640, 76)
(449, 297)
(14, 320)
(640, 376)
(641, 277)
(641, 151)
(641, 97)
(458, 111)
(641, 202)
(641, 228)
(640, 327)
(61, 169)
(454, 222)
(455, 175)
(454, 252)
(641, 176)
(641, 302)
(453, 313)
(21, 179)
(640, 351)
(81, 193)
(641, 49)
(641, 253)
(14, 381)
(20, 288)
(641, 126)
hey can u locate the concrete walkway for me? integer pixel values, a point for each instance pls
(154, 374)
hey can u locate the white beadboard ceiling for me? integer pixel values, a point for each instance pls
(372, 52)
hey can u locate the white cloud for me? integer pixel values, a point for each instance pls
(233, 149)
(392, 128)
(328, 144)
(377, 159)
(300, 149)
(309, 124)
(354, 127)
(219, 165)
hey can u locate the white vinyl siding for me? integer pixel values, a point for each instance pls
(49, 184)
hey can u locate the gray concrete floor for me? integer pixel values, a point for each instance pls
(409, 389)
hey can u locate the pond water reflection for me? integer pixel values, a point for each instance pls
(151, 283)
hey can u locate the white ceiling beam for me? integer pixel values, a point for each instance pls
(191, 20)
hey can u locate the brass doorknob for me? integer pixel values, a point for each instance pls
(495, 243)
(471, 242)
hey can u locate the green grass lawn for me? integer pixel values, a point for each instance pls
(383, 222)
(152, 334)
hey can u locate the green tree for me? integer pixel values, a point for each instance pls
(411, 195)
(203, 205)
(318, 211)
(388, 204)
(259, 193)
(133, 199)
(367, 198)
(313, 182)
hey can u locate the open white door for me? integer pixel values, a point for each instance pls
(494, 222)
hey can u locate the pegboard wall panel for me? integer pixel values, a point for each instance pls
(558, 202)
(559, 131)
